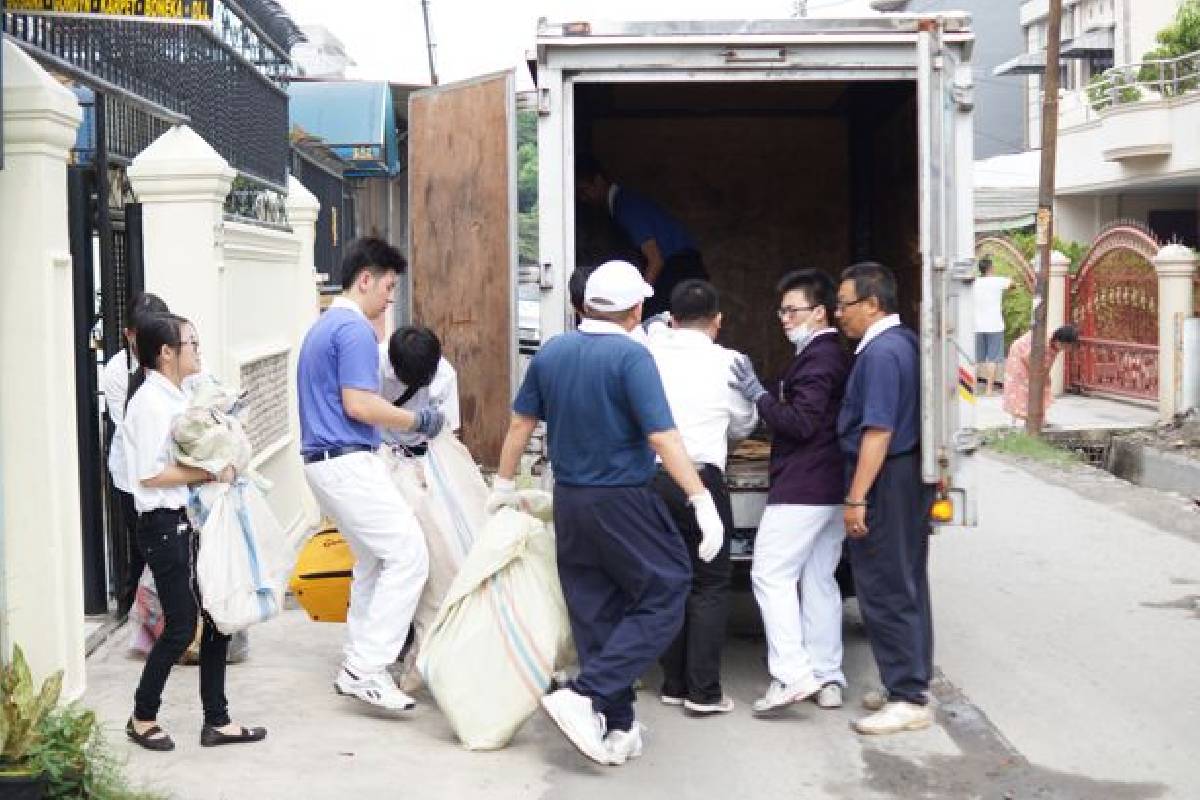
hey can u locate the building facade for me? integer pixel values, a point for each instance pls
(1127, 145)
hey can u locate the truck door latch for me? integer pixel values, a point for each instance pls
(964, 270)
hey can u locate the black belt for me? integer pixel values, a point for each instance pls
(158, 513)
(335, 452)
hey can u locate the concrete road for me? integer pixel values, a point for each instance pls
(1068, 648)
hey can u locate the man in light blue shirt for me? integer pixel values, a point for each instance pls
(341, 413)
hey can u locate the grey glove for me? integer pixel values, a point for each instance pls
(745, 381)
(429, 421)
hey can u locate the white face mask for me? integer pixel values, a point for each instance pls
(800, 336)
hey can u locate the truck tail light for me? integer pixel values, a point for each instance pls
(942, 510)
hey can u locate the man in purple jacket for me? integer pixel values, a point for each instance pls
(800, 536)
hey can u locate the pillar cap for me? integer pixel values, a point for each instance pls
(1060, 265)
(39, 112)
(1175, 260)
(302, 205)
(180, 167)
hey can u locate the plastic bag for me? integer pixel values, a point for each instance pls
(146, 621)
(447, 494)
(244, 557)
(502, 631)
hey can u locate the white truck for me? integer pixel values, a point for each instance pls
(779, 143)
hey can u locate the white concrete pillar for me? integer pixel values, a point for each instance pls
(1176, 268)
(182, 183)
(302, 210)
(41, 561)
(1056, 313)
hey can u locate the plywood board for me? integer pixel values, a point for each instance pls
(461, 201)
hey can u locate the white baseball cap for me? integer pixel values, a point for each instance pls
(616, 286)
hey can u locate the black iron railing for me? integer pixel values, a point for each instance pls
(170, 73)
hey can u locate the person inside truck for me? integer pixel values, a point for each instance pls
(625, 574)
(887, 505)
(709, 414)
(799, 539)
(667, 247)
(414, 375)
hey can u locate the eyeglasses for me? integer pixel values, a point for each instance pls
(783, 312)
(842, 305)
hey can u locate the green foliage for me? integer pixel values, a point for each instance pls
(1019, 443)
(77, 761)
(527, 186)
(1017, 303)
(1100, 90)
(1180, 38)
(22, 711)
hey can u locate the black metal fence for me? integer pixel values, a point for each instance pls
(335, 222)
(169, 73)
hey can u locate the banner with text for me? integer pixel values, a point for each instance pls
(190, 11)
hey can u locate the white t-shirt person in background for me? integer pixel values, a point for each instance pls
(989, 322)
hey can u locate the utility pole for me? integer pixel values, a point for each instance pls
(430, 46)
(1038, 376)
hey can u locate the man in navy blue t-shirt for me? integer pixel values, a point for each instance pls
(624, 571)
(669, 250)
(887, 505)
(341, 413)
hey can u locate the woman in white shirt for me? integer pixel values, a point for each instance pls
(115, 384)
(168, 352)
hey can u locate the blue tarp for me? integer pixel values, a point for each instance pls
(355, 118)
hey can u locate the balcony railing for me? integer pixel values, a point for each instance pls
(1146, 80)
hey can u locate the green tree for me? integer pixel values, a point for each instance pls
(1180, 38)
(527, 186)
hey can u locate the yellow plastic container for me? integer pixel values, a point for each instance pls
(321, 580)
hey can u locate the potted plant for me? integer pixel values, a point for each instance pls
(21, 713)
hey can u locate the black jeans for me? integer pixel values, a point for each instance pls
(692, 663)
(678, 268)
(168, 543)
(128, 554)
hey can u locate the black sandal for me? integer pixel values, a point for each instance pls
(150, 740)
(211, 737)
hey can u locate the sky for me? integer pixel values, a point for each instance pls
(386, 38)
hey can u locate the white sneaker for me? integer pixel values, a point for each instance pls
(896, 717)
(624, 745)
(583, 727)
(670, 700)
(830, 696)
(779, 694)
(378, 689)
(722, 706)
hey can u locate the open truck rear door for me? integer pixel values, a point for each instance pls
(463, 243)
(947, 322)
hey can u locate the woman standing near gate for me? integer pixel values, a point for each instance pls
(1016, 369)
(168, 352)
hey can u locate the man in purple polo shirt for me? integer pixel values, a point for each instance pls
(799, 539)
(341, 412)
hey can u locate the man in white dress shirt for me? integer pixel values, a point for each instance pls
(414, 375)
(709, 413)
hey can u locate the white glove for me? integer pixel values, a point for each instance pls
(504, 494)
(712, 530)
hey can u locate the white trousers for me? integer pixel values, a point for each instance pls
(800, 544)
(390, 560)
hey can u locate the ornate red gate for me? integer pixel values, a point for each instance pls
(1114, 303)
